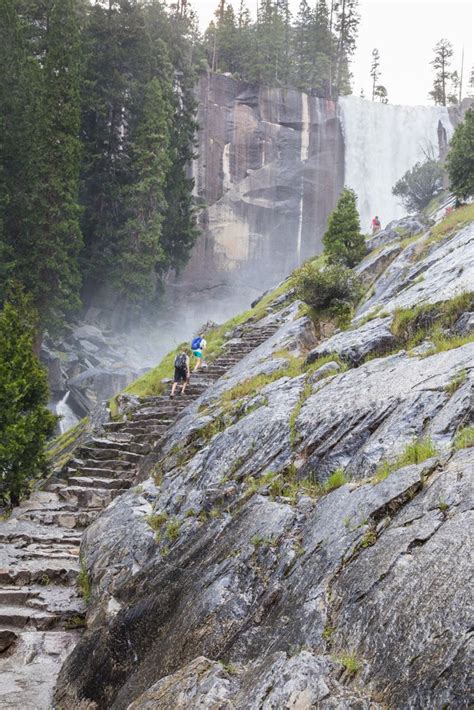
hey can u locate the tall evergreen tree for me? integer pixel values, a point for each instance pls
(443, 53)
(460, 160)
(42, 155)
(343, 241)
(25, 422)
(375, 71)
(346, 26)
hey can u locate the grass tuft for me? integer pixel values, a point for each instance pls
(464, 439)
(416, 452)
(350, 662)
(84, 582)
(335, 480)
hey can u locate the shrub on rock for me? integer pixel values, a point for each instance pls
(333, 288)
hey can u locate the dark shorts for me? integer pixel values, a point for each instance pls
(180, 375)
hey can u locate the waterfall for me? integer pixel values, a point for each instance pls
(382, 142)
(227, 181)
(304, 155)
(68, 418)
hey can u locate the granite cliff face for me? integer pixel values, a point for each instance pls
(280, 550)
(271, 164)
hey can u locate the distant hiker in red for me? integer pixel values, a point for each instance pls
(375, 225)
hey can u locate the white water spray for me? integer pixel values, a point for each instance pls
(304, 155)
(68, 418)
(227, 181)
(382, 142)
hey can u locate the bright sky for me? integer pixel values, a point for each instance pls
(404, 32)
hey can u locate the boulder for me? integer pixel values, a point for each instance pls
(465, 324)
(374, 337)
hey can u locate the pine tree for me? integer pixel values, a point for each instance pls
(343, 242)
(43, 154)
(25, 421)
(139, 247)
(375, 71)
(471, 84)
(460, 160)
(441, 64)
(303, 46)
(346, 26)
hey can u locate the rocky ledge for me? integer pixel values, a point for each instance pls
(300, 536)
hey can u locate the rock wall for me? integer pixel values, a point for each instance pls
(270, 166)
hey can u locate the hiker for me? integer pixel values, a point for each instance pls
(197, 346)
(376, 225)
(181, 372)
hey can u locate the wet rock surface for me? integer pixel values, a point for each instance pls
(245, 547)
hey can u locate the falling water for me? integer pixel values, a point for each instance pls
(304, 155)
(382, 142)
(68, 418)
(227, 181)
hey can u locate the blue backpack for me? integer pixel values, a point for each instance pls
(196, 344)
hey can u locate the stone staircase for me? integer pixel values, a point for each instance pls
(41, 609)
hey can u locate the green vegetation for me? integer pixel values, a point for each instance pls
(229, 667)
(343, 242)
(263, 541)
(61, 448)
(458, 380)
(172, 529)
(335, 480)
(416, 452)
(412, 325)
(75, 622)
(418, 185)
(460, 160)
(448, 226)
(350, 662)
(328, 632)
(252, 386)
(80, 197)
(84, 582)
(368, 539)
(25, 421)
(330, 290)
(157, 520)
(443, 342)
(464, 438)
(311, 53)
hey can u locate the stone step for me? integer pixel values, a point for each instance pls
(98, 472)
(20, 617)
(106, 455)
(37, 571)
(89, 497)
(58, 537)
(99, 482)
(154, 415)
(139, 424)
(64, 518)
(46, 597)
(126, 446)
(110, 464)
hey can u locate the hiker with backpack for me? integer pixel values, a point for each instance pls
(197, 346)
(181, 372)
